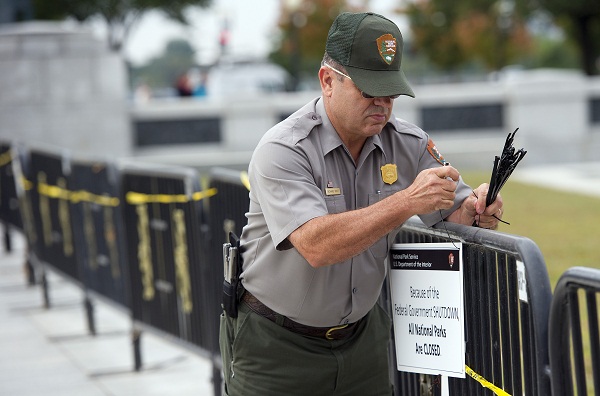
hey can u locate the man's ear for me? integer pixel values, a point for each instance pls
(326, 79)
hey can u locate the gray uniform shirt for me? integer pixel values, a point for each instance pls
(301, 170)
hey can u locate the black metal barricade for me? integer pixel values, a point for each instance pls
(49, 171)
(506, 333)
(226, 213)
(229, 206)
(98, 232)
(572, 342)
(150, 239)
(10, 216)
(168, 269)
(25, 188)
(159, 297)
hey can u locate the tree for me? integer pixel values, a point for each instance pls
(119, 15)
(303, 32)
(453, 33)
(581, 21)
(162, 71)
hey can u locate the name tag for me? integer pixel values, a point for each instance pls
(333, 191)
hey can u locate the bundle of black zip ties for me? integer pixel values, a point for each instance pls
(503, 168)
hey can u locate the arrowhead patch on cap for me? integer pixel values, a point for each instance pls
(386, 45)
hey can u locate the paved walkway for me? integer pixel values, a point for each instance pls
(581, 178)
(48, 352)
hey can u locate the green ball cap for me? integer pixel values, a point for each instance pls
(369, 46)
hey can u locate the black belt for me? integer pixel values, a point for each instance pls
(341, 332)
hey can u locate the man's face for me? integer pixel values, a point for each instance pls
(354, 116)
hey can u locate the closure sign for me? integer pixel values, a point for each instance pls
(426, 283)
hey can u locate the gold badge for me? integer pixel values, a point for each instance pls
(389, 173)
(386, 45)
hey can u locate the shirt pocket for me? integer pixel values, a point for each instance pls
(336, 204)
(380, 248)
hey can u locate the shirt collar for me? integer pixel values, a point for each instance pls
(330, 140)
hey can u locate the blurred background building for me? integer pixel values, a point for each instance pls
(198, 82)
(16, 11)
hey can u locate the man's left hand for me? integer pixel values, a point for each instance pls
(486, 217)
(473, 210)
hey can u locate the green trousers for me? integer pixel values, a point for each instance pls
(260, 358)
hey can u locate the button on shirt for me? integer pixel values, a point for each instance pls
(301, 170)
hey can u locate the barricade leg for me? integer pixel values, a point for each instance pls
(7, 239)
(136, 336)
(89, 310)
(217, 378)
(29, 271)
(45, 291)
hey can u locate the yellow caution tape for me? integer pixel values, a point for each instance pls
(199, 195)
(26, 184)
(136, 198)
(5, 158)
(86, 196)
(53, 191)
(485, 383)
(244, 179)
(76, 196)
(132, 197)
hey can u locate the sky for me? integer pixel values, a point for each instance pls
(252, 28)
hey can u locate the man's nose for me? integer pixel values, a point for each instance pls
(385, 101)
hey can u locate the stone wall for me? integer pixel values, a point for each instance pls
(557, 113)
(62, 87)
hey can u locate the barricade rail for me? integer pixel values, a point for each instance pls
(172, 287)
(575, 302)
(506, 305)
(10, 216)
(98, 233)
(147, 239)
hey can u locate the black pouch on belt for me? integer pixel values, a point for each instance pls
(232, 266)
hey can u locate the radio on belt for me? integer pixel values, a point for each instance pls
(232, 268)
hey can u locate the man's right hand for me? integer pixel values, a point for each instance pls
(433, 189)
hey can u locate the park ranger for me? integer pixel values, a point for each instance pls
(330, 186)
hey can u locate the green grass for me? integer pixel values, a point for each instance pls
(564, 225)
